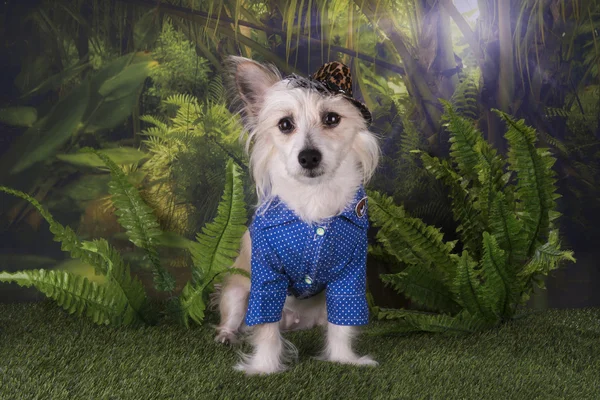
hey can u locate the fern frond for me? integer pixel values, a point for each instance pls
(422, 286)
(119, 275)
(105, 260)
(156, 121)
(470, 222)
(466, 284)
(535, 191)
(508, 231)
(181, 100)
(464, 99)
(76, 294)
(496, 287)
(137, 218)
(410, 239)
(217, 246)
(463, 138)
(216, 90)
(546, 258)
(491, 176)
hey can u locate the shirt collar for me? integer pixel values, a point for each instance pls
(276, 212)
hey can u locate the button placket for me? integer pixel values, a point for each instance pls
(316, 245)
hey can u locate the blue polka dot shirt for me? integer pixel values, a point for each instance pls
(292, 257)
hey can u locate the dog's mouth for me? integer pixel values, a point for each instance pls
(313, 173)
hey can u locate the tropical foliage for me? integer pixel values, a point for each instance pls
(121, 299)
(140, 82)
(508, 241)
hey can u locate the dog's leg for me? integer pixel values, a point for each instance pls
(270, 353)
(233, 304)
(233, 298)
(339, 346)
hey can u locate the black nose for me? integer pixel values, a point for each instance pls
(309, 158)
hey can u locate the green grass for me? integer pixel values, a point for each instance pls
(47, 354)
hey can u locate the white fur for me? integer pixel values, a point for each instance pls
(350, 155)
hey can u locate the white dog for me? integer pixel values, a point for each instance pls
(310, 154)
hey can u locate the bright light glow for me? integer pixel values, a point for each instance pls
(467, 6)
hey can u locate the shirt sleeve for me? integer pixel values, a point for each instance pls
(268, 284)
(346, 296)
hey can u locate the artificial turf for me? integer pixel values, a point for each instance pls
(48, 354)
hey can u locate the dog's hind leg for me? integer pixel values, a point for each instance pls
(233, 296)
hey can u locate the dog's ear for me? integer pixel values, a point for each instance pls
(251, 80)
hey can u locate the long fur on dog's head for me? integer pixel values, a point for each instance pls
(350, 152)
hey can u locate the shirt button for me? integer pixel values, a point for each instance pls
(308, 280)
(320, 231)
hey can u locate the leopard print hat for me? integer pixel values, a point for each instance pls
(333, 78)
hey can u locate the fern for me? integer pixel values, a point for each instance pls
(124, 294)
(470, 223)
(409, 239)
(137, 218)
(216, 247)
(535, 181)
(424, 287)
(464, 99)
(75, 293)
(506, 231)
(463, 140)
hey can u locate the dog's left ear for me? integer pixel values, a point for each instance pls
(251, 81)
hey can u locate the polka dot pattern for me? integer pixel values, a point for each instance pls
(291, 257)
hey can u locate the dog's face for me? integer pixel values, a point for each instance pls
(297, 131)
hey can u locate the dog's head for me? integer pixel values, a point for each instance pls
(297, 130)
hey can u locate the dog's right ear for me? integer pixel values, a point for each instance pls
(251, 81)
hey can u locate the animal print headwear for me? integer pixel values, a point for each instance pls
(333, 78)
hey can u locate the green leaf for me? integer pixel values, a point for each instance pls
(110, 114)
(56, 80)
(146, 31)
(19, 116)
(217, 246)
(119, 155)
(48, 134)
(126, 82)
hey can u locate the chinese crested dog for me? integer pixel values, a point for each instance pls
(311, 154)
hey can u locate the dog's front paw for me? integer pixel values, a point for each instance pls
(226, 337)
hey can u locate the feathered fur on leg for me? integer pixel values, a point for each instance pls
(338, 347)
(271, 351)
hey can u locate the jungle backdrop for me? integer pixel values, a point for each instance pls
(141, 82)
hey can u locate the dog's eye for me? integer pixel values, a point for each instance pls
(331, 119)
(286, 125)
